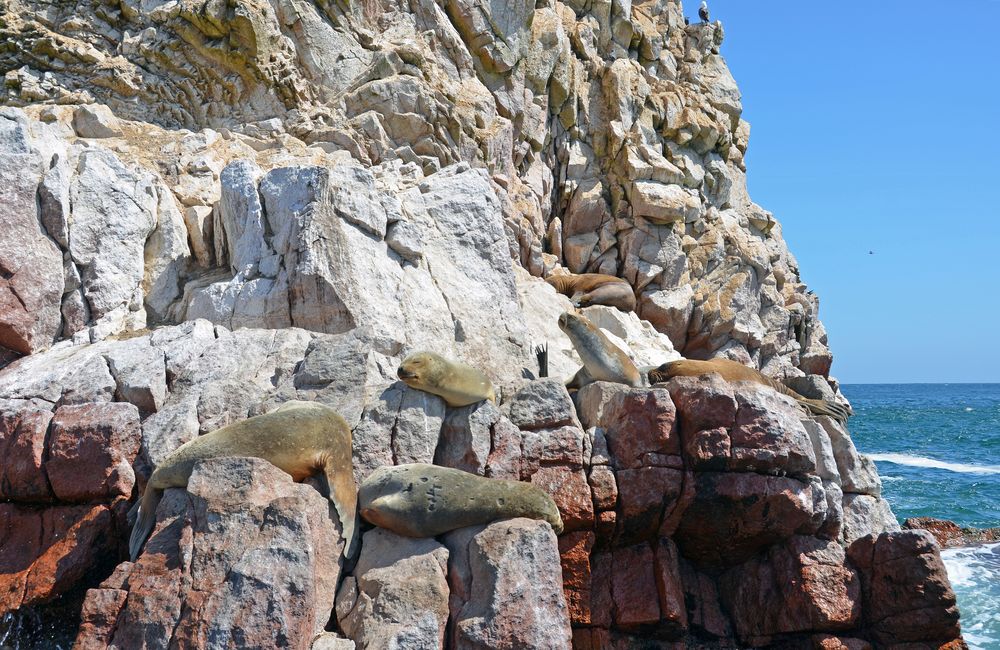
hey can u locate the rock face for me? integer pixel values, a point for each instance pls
(243, 557)
(214, 208)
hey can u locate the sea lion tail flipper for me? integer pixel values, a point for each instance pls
(542, 354)
(344, 496)
(823, 407)
(145, 520)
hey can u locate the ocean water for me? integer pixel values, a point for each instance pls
(937, 448)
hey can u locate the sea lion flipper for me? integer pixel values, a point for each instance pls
(145, 521)
(822, 407)
(542, 355)
(344, 496)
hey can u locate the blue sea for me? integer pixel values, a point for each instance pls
(937, 448)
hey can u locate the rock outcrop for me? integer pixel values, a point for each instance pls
(212, 209)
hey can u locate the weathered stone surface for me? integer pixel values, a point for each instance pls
(543, 404)
(799, 586)
(574, 553)
(858, 474)
(47, 551)
(506, 587)
(636, 421)
(768, 435)
(23, 446)
(397, 596)
(95, 121)
(207, 571)
(866, 515)
(31, 268)
(733, 516)
(91, 450)
(466, 436)
(907, 596)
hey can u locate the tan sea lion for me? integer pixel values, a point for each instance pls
(735, 371)
(602, 359)
(301, 438)
(420, 500)
(458, 383)
(588, 289)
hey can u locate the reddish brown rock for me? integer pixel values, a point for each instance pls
(601, 599)
(504, 460)
(207, 576)
(708, 449)
(603, 487)
(645, 495)
(46, 552)
(907, 595)
(733, 516)
(703, 403)
(574, 554)
(803, 585)
(949, 534)
(673, 611)
(91, 450)
(636, 421)
(704, 614)
(768, 434)
(562, 446)
(97, 619)
(830, 642)
(634, 587)
(568, 488)
(22, 448)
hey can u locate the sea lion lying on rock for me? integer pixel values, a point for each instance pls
(602, 359)
(301, 438)
(588, 289)
(735, 371)
(420, 500)
(458, 383)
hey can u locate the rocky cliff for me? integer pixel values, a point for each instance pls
(215, 207)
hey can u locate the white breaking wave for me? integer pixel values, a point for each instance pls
(920, 461)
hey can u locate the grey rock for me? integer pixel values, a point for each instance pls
(506, 587)
(397, 596)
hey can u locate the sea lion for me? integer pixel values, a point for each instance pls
(301, 438)
(588, 289)
(420, 500)
(602, 359)
(457, 383)
(735, 371)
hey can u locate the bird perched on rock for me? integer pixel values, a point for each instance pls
(703, 11)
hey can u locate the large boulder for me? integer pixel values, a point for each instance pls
(242, 557)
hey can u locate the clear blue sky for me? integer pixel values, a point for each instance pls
(875, 127)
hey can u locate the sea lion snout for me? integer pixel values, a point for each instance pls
(403, 373)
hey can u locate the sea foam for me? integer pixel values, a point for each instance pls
(920, 461)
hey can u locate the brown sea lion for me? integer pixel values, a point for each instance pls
(301, 438)
(458, 383)
(420, 500)
(588, 289)
(602, 359)
(735, 371)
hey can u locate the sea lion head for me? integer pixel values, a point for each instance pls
(659, 375)
(419, 369)
(571, 323)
